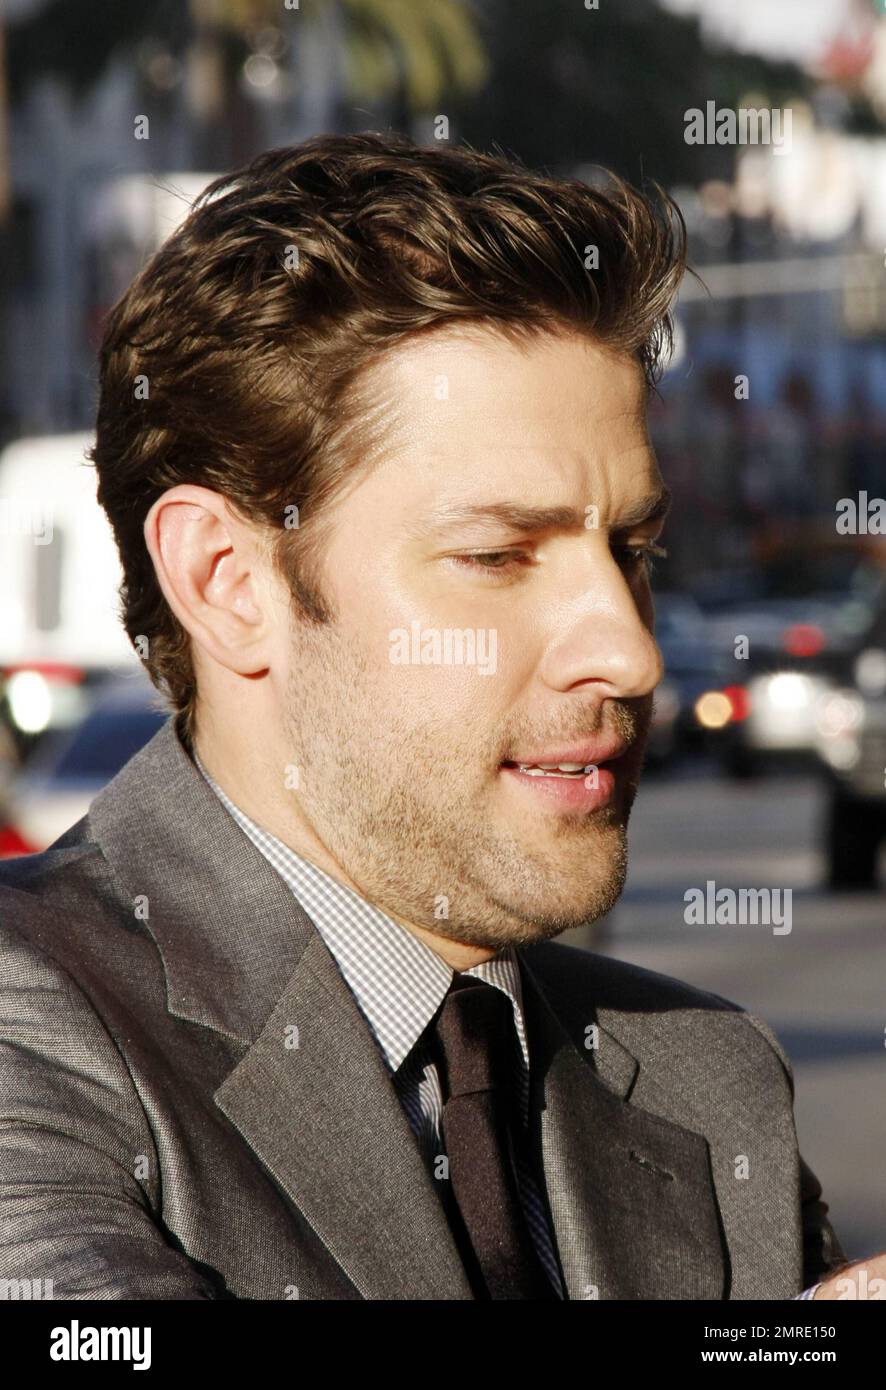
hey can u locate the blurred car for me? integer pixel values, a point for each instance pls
(780, 710)
(796, 652)
(59, 578)
(851, 742)
(690, 707)
(56, 786)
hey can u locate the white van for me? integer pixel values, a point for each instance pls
(59, 581)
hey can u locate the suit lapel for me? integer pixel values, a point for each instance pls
(631, 1195)
(243, 958)
(325, 1119)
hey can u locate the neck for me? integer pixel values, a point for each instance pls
(229, 771)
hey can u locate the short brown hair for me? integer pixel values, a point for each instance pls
(254, 324)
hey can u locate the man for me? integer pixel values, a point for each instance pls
(284, 1015)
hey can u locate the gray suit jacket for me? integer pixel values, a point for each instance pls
(161, 1137)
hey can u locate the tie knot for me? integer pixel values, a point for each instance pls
(474, 1034)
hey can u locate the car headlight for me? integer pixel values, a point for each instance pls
(788, 690)
(713, 709)
(30, 701)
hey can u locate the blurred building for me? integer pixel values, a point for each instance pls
(790, 247)
(79, 223)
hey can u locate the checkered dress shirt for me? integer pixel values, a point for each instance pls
(398, 984)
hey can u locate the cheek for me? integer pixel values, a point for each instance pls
(438, 657)
(459, 693)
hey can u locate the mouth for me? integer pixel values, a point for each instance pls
(577, 761)
(581, 778)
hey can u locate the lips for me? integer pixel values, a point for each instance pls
(589, 754)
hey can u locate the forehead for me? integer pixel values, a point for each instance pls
(475, 371)
(465, 402)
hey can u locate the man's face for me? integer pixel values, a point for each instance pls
(406, 761)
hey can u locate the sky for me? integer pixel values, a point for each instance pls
(795, 29)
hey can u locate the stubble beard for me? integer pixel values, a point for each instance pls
(392, 818)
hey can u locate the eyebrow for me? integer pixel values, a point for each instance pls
(518, 517)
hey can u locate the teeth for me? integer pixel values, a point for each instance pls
(550, 769)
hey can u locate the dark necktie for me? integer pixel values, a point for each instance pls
(471, 1042)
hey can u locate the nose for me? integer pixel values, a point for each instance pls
(604, 637)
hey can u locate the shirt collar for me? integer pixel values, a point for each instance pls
(397, 980)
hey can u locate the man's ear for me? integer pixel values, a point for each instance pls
(210, 566)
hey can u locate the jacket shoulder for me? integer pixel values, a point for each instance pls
(617, 984)
(53, 897)
(649, 1011)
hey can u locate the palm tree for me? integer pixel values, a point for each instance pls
(407, 53)
(437, 44)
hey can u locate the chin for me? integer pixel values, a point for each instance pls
(580, 913)
(523, 925)
(519, 930)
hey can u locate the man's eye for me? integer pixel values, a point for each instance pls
(639, 556)
(633, 557)
(498, 561)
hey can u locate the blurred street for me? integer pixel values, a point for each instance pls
(821, 986)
